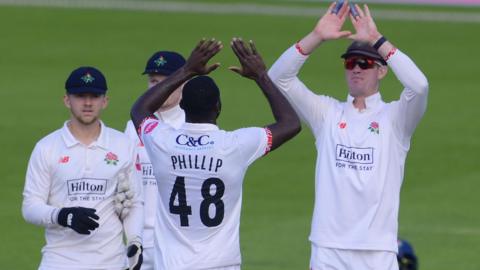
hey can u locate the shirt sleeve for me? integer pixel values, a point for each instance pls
(133, 222)
(309, 106)
(147, 126)
(36, 191)
(253, 143)
(130, 131)
(412, 104)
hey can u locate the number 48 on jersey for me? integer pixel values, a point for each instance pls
(184, 210)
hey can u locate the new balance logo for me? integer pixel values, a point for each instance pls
(64, 159)
(354, 154)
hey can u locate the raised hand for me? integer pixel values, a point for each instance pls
(366, 30)
(201, 54)
(330, 25)
(252, 65)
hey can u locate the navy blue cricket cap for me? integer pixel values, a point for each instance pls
(164, 63)
(86, 80)
(200, 94)
(358, 48)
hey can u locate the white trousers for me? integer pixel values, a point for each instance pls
(344, 259)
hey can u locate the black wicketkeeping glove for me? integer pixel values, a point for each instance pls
(135, 257)
(79, 219)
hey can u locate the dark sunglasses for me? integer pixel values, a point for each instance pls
(362, 62)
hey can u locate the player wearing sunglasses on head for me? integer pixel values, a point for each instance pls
(362, 143)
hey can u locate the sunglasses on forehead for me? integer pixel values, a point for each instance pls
(362, 62)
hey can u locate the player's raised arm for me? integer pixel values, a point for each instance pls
(196, 64)
(413, 101)
(287, 124)
(329, 27)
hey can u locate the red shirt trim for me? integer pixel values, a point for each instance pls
(300, 50)
(269, 140)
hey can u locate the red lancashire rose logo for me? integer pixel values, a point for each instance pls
(111, 158)
(374, 127)
(64, 159)
(342, 125)
(150, 127)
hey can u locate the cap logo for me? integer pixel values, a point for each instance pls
(87, 78)
(160, 61)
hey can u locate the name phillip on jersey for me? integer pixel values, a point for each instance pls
(196, 162)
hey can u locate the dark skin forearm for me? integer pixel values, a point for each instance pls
(287, 123)
(154, 97)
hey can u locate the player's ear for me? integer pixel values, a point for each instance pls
(382, 72)
(218, 108)
(66, 101)
(105, 102)
(182, 104)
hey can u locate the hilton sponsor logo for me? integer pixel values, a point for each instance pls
(147, 171)
(354, 154)
(87, 186)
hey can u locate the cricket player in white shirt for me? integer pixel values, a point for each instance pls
(71, 181)
(160, 65)
(200, 168)
(362, 143)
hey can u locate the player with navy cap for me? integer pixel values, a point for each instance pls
(362, 142)
(71, 181)
(200, 168)
(407, 260)
(160, 65)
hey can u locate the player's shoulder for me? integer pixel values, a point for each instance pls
(244, 134)
(117, 136)
(52, 138)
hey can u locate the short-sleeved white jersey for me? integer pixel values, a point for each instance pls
(360, 155)
(62, 172)
(199, 171)
(174, 117)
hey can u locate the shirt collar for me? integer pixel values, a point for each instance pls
(199, 127)
(70, 140)
(172, 113)
(371, 102)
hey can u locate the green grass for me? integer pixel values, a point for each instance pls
(40, 46)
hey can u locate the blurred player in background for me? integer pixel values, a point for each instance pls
(71, 182)
(200, 168)
(362, 143)
(159, 66)
(407, 260)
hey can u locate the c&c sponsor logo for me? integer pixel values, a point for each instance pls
(189, 141)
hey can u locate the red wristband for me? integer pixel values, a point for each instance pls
(390, 53)
(299, 49)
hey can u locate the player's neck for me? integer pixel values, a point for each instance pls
(194, 120)
(84, 133)
(166, 108)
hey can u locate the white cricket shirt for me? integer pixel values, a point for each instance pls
(62, 172)
(360, 155)
(174, 117)
(199, 171)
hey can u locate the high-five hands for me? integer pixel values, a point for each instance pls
(201, 54)
(252, 65)
(366, 30)
(329, 27)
